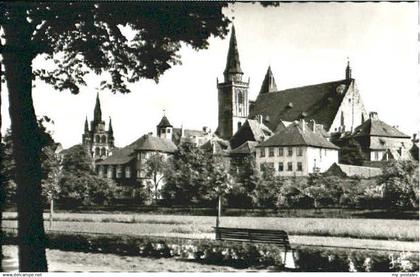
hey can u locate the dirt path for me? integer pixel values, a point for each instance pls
(88, 262)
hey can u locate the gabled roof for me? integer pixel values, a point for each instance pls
(164, 122)
(144, 143)
(188, 133)
(353, 170)
(251, 130)
(247, 147)
(319, 102)
(121, 156)
(298, 134)
(376, 127)
(217, 146)
(151, 143)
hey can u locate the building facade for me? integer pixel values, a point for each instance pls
(297, 150)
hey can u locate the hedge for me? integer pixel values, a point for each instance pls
(236, 254)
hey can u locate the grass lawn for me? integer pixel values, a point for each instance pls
(199, 226)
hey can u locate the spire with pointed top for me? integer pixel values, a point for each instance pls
(86, 126)
(269, 83)
(97, 113)
(110, 130)
(233, 69)
(348, 70)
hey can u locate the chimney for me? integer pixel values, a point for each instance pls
(205, 129)
(302, 125)
(182, 131)
(312, 125)
(373, 116)
(414, 137)
(259, 118)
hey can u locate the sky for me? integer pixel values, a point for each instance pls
(304, 43)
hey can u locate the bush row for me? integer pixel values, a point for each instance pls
(236, 254)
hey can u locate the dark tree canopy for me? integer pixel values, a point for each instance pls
(130, 40)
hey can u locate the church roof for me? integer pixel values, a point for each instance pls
(298, 134)
(247, 147)
(164, 122)
(97, 113)
(376, 127)
(319, 102)
(269, 83)
(233, 64)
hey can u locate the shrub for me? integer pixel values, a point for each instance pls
(237, 254)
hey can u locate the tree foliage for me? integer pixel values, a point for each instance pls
(351, 153)
(79, 184)
(400, 180)
(154, 169)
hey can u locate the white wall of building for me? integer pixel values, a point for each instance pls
(321, 157)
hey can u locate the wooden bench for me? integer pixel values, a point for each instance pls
(277, 237)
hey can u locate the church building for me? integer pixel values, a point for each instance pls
(98, 141)
(336, 105)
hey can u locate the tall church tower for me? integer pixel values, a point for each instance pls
(233, 94)
(98, 141)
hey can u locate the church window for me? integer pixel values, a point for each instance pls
(163, 131)
(239, 125)
(342, 118)
(281, 168)
(97, 138)
(103, 140)
(97, 153)
(168, 131)
(103, 152)
(240, 97)
(271, 152)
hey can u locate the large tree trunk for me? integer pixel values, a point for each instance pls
(2, 191)
(26, 144)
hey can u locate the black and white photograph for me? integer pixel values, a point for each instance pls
(209, 136)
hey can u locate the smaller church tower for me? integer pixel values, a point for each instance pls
(269, 83)
(232, 93)
(164, 129)
(98, 141)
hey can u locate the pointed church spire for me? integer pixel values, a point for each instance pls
(233, 65)
(110, 130)
(269, 83)
(86, 125)
(348, 70)
(97, 113)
